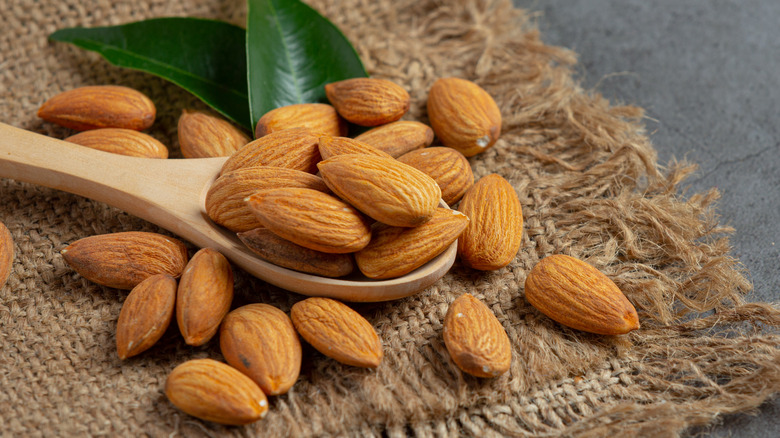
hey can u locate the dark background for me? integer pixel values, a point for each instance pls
(707, 73)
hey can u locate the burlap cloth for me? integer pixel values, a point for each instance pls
(589, 185)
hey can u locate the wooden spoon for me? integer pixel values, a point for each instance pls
(171, 193)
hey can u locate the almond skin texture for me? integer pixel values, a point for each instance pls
(383, 188)
(399, 137)
(202, 135)
(579, 296)
(368, 101)
(396, 251)
(316, 117)
(337, 331)
(122, 260)
(312, 219)
(260, 341)
(214, 391)
(463, 115)
(332, 146)
(476, 341)
(6, 254)
(121, 141)
(100, 106)
(146, 314)
(291, 148)
(225, 203)
(448, 167)
(286, 254)
(204, 296)
(495, 232)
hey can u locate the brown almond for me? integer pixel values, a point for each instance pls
(286, 254)
(332, 146)
(294, 148)
(214, 391)
(203, 135)
(6, 254)
(260, 341)
(579, 296)
(99, 106)
(145, 315)
(368, 101)
(122, 260)
(448, 167)
(396, 251)
(337, 331)
(204, 296)
(476, 341)
(121, 141)
(312, 219)
(495, 232)
(383, 188)
(316, 117)
(225, 203)
(399, 137)
(463, 115)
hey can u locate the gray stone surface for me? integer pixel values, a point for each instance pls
(708, 75)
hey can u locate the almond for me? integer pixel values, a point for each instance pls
(286, 254)
(202, 135)
(495, 232)
(579, 296)
(204, 296)
(145, 315)
(331, 146)
(368, 101)
(337, 331)
(294, 148)
(225, 203)
(448, 167)
(214, 391)
(260, 341)
(383, 188)
(396, 251)
(399, 137)
(476, 341)
(100, 106)
(122, 260)
(312, 219)
(316, 117)
(463, 115)
(6, 254)
(121, 141)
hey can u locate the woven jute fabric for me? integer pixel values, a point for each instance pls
(589, 184)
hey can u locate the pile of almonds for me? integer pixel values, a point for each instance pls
(306, 197)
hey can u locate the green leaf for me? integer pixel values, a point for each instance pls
(205, 57)
(292, 52)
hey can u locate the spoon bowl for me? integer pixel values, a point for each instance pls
(171, 193)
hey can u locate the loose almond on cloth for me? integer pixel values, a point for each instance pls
(383, 188)
(204, 296)
(225, 200)
(100, 106)
(214, 391)
(122, 260)
(294, 148)
(475, 339)
(121, 141)
(260, 341)
(6, 254)
(448, 167)
(337, 331)
(146, 314)
(398, 138)
(203, 135)
(281, 252)
(368, 101)
(316, 117)
(332, 146)
(579, 296)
